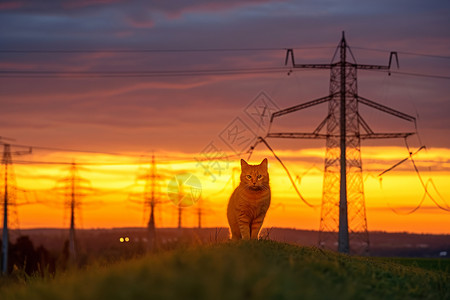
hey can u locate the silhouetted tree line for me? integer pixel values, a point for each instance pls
(24, 257)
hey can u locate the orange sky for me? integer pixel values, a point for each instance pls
(116, 196)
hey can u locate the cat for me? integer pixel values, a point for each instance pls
(249, 202)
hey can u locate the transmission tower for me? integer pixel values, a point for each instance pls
(343, 219)
(201, 210)
(180, 217)
(152, 198)
(9, 189)
(73, 189)
(73, 177)
(152, 202)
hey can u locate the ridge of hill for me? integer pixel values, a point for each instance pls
(261, 269)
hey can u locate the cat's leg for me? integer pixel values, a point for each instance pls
(244, 226)
(256, 227)
(235, 232)
(234, 224)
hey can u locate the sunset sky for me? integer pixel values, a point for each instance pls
(106, 83)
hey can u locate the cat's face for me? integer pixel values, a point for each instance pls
(255, 177)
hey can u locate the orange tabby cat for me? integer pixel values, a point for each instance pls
(249, 202)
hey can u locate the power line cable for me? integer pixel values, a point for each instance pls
(24, 162)
(71, 51)
(404, 52)
(193, 160)
(425, 187)
(68, 150)
(175, 73)
(261, 139)
(137, 74)
(423, 184)
(418, 74)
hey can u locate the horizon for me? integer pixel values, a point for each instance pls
(209, 228)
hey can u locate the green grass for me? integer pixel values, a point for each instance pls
(242, 270)
(434, 264)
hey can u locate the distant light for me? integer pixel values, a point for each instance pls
(121, 239)
(127, 239)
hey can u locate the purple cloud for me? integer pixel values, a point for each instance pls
(198, 107)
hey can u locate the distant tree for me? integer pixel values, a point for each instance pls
(46, 263)
(24, 257)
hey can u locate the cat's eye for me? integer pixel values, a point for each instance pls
(259, 177)
(249, 176)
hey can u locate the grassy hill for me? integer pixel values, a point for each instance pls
(243, 270)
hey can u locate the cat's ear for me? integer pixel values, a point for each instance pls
(243, 163)
(264, 163)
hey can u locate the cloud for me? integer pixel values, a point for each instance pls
(141, 22)
(11, 5)
(77, 4)
(207, 103)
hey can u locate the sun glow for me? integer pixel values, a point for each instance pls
(115, 191)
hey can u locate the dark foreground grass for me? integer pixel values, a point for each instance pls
(243, 270)
(434, 264)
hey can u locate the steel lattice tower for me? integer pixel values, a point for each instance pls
(7, 160)
(9, 199)
(343, 219)
(73, 188)
(343, 167)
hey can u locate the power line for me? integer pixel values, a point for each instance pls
(174, 73)
(424, 185)
(79, 151)
(420, 75)
(68, 150)
(262, 140)
(23, 162)
(137, 74)
(193, 160)
(405, 53)
(167, 158)
(192, 50)
(71, 51)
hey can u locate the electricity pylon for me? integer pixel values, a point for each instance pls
(151, 202)
(74, 188)
(343, 215)
(151, 199)
(180, 208)
(9, 188)
(201, 210)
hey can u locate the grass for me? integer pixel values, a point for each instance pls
(434, 264)
(242, 270)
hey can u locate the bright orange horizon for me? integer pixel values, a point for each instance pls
(114, 193)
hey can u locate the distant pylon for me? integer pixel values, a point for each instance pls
(343, 221)
(72, 240)
(5, 237)
(180, 217)
(150, 186)
(8, 200)
(199, 213)
(203, 209)
(73, 189)
(150, 198)
(199, 217)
